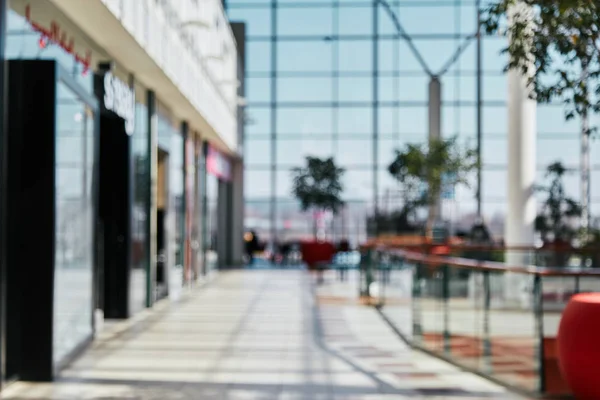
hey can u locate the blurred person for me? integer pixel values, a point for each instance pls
(251, 241)
(343, 246)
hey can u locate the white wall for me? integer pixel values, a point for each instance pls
(199, 58)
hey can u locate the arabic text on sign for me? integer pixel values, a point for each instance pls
(55, 34)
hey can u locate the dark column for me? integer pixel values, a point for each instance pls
(204, 207)
(152, 166)
(223, 225)
(3, 187)
(184, 215)
(115, 213)
(237, 165)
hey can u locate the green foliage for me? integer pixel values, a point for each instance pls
(424, 170)
(561, 37)
(558, 210)
(318, 185)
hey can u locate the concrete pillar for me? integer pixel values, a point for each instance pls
(435, 132)
(435, 108)
(223, 228)
(237, 213)
(521, 207)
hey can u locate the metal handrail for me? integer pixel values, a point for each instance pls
(491, 266)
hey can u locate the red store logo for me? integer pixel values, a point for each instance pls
(56, 35)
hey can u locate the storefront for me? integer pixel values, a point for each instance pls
(77, 192)
(113, 199)
(50, 209)
(216, 211)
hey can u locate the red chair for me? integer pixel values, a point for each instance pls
(579, 345)
(315, 253)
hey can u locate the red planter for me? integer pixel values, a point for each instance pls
(579, 345)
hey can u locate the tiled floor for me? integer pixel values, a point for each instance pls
(258, 335)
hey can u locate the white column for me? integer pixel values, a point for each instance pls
(585, 174)
(521, 210)
(435, 132)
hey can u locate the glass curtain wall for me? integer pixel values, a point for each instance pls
(334, 78)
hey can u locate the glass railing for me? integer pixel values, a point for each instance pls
(497, 319)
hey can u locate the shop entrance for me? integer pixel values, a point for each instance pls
(114, 214)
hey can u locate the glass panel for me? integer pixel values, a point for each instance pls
(304, 56)
(397, 294)
(355, 121)
(141, 180)
(356, 55)
(414, 123)
(495, 120)
(358, 184)
(256, 216)
(461, 121)
(258, 90)
(284, 183)
(258, 56)
(304, 89)
(257, 183)
(257, 20)
(304, 121)
(258, 121)
(74, 223)
(304, 21)
(212, 221)
(492, 60)
(352, 153)
(441, 18)
(430, 305)
(355, 89)
(355, 20)
(465, 315)
(257, 152)
(292, 152)
(513, 355)
(551, 119)
(176, 189)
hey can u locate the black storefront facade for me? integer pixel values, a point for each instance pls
(110, 202)
(68, 255)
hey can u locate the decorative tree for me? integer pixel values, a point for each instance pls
(318, 186)
(424, 171)
(559, 38)
(555, 220)
(403, 169)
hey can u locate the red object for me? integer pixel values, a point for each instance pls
(317, 252)
(579, 345)
(440, 250)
